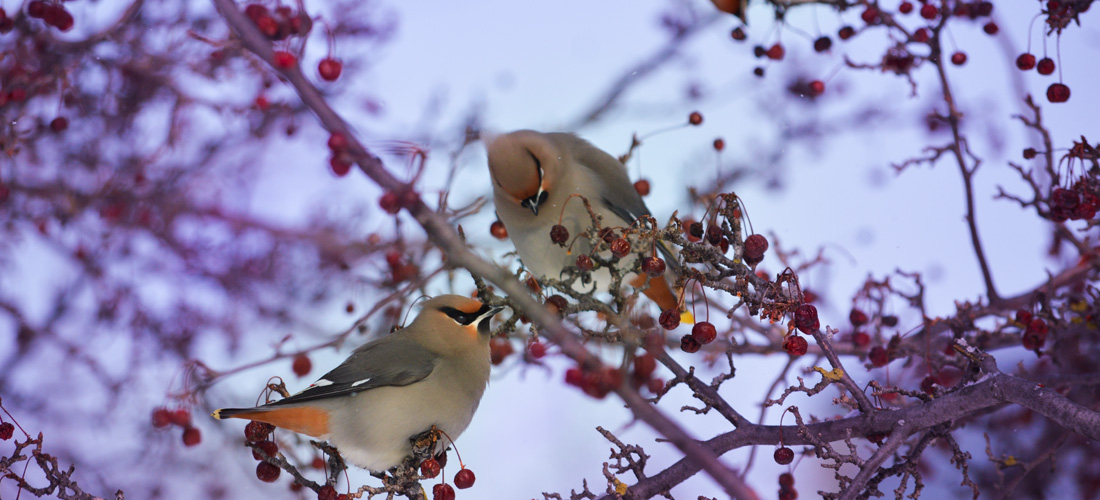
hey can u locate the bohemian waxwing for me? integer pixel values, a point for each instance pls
(432, 372)
(534, 174)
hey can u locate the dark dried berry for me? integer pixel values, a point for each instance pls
(805, 318)
(584, 262)
(257, 431)
(267, 473)
(783, 456)
(714, 235)
(795, 345)
(669, 319)
(689, 344)
(620, 247)
(878, 357)
(755, 246)
(559, 234)
(653, 266)
(857, 318)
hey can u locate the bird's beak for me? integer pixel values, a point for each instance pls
(482, 321)
(535, 201)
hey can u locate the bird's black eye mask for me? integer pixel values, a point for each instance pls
(481, 316)
(534, 201)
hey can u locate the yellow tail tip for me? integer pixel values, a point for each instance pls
(217, 414)
(687, 317)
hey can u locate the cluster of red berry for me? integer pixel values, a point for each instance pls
(1035, 330)
(597, 382)
(180, 417)
(53, 14)
(786, 487)
(6, 431)
(432, 467)
(1078, 202)
(400, 269)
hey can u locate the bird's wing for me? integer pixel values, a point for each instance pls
(394, 360)
(617, 192)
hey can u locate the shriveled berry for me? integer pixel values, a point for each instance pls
(498, 230)
(669, 319)
(795, 345)
(695, 118)
(302, 365)
(1065, 198)
(928, 385)
(805, 318)
(642, 187)
(1045, 66)
(755, 246)
(443, 491)
(878, 356)
(704, 332)
(557, 304)
(890, 321)
(584, 262)
(991, 28)
(464, 478)
(161, 417)
(330, 69)
(267, 473)
(783, 456)
(1025, 62)
(559, 234)
(688, 344)
(269, 447)
(644, 366)
(6, 430)
(738, 34)
(714, 234)
(430, 468)
(620, 247)
(257, 431)
(823, 44)
(653, 266)
(861, 339)
(695, 230)
(1030, 153)
(191, 436)
(846, 32)
(1058, 92)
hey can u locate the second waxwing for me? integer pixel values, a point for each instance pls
(431, 373)
(534, 176)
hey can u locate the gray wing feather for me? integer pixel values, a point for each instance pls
(625, 203)
(389, 361)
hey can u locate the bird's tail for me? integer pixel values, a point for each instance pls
(309, 420)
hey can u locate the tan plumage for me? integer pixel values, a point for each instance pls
(535, 174)
(432, 372)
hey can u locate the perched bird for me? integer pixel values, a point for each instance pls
(534, 176)
(432, 372)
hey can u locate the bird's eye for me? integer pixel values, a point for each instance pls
(460, 317)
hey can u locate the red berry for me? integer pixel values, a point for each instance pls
(927, 385)
(498, 230)
(1030, 153)
(688, 344)
(817, 87)
(890, 321)
(1057, 92)
(642, 187)
(644, 366)
(180, 417)
(695, 230)
(269, 447)
(255, 431)
(338, 142)
(805, 318)
(302, 365)
(267, 473)
(704, 332)
(905, 8)
(878, 356)
(958, 58)
(870, 15)
(330, 69)
(557, 304)
(783, 456)
(921, 35)
(59, 124)
(776, 52)
(584, 262)
(267, 25)
(464, 479)
(714, 235)
(655, 385)
(795, 345)
(319, 464)
(191, 436)
(786, 480)
(499, 348)
(738, 34)
(559, 234)
(1025, 62)
(653, 266)
(443, 491)
(695, 118)
(857, 318)
(758, 71)
(327, 492)
(929, 11)
(669, 319)
(1023, 317)
(823, 44)
(284, 59)
(536, 349)
(6, 430)
(36, 9)
(161, 417)
(574, 377)
(620, 247)
(1064, 198)
(846, 32)
(1045, 66)
(719, 144)
(389, 202)
(991, 28)
(430, 468)
(409, 199)
(861, 339)
(1037, 326)
(339, 165)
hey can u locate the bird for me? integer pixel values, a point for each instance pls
(430, 373)
(534, 177)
